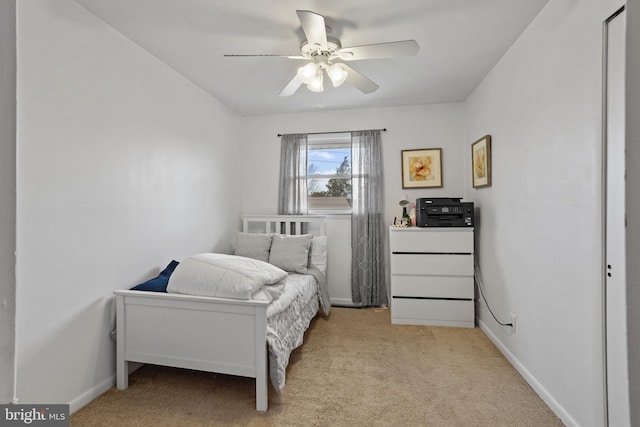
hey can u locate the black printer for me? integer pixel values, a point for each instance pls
(444, 212)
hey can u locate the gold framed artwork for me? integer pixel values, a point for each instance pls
(422, 168)
(481, 162)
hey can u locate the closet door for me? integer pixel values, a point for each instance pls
(615, 268)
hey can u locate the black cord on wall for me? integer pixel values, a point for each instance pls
(479, 282)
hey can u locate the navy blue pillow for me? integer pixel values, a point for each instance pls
(158, 284)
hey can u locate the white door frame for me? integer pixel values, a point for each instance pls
(616, 387)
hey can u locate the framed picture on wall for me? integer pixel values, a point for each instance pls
(481, 162)
(422, 168)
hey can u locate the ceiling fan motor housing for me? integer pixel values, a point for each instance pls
(313, 50)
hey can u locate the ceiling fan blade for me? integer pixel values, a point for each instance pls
(358, 80)
(269, 55)
(314, 28)
(291, 87)
(380, 50)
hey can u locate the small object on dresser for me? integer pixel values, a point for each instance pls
(406, 220)
(412, 215)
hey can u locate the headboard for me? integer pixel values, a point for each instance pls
(285, 224)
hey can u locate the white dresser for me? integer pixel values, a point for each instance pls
(432, 276)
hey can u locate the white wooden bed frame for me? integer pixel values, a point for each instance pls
(202, 333)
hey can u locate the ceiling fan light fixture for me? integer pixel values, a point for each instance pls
(316, 83)
(308, 72)
(337, 74)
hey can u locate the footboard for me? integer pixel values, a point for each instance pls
(184, 331)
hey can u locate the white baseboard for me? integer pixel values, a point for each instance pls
(94, 392)
(89, 395)
(529, 378)
(344, 302)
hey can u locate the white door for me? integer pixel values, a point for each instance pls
(615, 269)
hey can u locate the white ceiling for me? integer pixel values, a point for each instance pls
(460, 41)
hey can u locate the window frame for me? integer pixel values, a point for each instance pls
(329, 141)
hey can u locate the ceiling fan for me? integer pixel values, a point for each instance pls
(326, 54)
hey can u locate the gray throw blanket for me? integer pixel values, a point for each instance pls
(325, 302)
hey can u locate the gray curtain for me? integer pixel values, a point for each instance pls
(292, 195)
(368, 285)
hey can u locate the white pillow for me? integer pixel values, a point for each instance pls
(318, 253)
(224, 276)
(253, 245)
(290, 253)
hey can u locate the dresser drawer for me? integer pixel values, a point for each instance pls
(432, 286)
(432, 312)
(434, 264)
(423, 240)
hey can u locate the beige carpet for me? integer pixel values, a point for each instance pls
(355, 369)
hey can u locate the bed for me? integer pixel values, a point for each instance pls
(229, 336)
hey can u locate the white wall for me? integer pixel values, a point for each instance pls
(539, 235)
(423, 126)
(7, 196)
(633, 204)
(408, 127)
(339, 260)
(123, 165)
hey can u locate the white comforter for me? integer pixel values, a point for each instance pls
(226, 276)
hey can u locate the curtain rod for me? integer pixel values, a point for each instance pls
(338, 131)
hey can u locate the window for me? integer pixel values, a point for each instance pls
(329, 173)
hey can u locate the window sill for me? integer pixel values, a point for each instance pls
(330, 213)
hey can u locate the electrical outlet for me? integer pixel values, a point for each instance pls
(513, 323)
